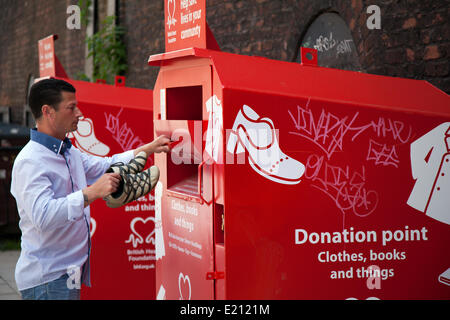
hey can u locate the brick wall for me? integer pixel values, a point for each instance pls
(22, 24)
(413, 41)
(144, 23)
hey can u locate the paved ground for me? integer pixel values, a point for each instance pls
(8, 288)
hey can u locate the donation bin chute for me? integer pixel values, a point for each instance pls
(311, 182)
(115, 119)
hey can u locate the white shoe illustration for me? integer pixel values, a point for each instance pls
(86, 140)
(258, 136)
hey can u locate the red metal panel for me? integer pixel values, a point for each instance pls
(331, 184)
(108, 95)
(184, 220)
(353, 203)
(123, 239)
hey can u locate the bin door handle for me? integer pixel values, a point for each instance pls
(200, 183)
(215, 275)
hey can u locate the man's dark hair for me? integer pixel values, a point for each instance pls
(47, 91)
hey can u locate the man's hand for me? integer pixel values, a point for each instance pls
(105, 185)
(160, 144)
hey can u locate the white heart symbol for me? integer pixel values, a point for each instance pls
(173, 11)
(185, 279)
(139, 239)
(171, 15)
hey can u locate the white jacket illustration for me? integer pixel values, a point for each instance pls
(430, 164)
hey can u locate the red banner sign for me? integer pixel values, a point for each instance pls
(49, 65)
(185, 24)
(46, 57)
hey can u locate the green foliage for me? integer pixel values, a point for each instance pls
(105, 47)
(107, 51)
(84, 10)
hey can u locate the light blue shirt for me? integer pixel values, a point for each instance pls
(47, 178)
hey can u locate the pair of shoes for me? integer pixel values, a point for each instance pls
(134, 183)
(258, 136)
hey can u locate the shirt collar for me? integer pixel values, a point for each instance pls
(52, 143)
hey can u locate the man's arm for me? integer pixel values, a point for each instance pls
(105, 185)
(160, 144)
(109, 182)
(36, 197)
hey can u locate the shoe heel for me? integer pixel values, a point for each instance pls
(233, 145)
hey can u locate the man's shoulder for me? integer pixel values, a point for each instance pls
(32, 152)
(26, 152)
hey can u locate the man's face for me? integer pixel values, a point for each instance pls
(67, 116)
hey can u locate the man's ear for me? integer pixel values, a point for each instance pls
(46, 110)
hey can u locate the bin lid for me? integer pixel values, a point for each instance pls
(110, 95)
(319, 83)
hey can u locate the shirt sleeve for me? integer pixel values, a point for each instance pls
(95, 166)
(32, 189)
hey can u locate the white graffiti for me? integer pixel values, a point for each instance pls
(123, 134)
(324, 43)
(344, 47)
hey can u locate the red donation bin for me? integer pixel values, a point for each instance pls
(115, 119)
(293, 181)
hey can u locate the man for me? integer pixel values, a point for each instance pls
(50, 183)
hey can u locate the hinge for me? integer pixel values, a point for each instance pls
(215, 275)
(119, 81)
(308, 56)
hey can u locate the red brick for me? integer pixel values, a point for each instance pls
(409, 23)
(409, 54)
(437, 68)
(395, 56)
(431, 52)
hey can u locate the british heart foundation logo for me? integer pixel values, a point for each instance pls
(184, 287)
(430, 165)
(142, 230)
(171, 6)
